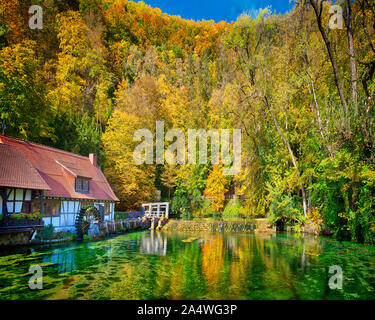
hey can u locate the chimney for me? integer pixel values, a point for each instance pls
(93, 159)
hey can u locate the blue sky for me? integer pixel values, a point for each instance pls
(217, 10)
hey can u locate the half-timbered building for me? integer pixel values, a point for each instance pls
(38, 179)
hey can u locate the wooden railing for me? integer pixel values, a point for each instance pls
(156, 209)
(9, 224)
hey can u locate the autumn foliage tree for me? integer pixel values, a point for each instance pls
(216, 188)
(133, 183)
(301, 93)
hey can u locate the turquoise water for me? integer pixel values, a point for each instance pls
(170, 265)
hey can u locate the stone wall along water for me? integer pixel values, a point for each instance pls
(250, 226)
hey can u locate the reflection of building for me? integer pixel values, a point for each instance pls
(154, 243)
(64, 258)
(56, 183)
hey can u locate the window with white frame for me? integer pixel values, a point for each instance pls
(19, 200)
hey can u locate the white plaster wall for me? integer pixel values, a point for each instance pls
(70, 207)
(64, 206)
(69, 210)
(112, 211)
(54, 220)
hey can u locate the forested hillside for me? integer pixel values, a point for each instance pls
(302, 94)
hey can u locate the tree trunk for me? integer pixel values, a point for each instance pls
(318, 13)
(309, 194)
(316, 105)
(353, 68)
(265, 100)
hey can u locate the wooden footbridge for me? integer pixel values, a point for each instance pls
(156, 209)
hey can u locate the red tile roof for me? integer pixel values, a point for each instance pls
(50, 163)
(74, 169)
(13, 166)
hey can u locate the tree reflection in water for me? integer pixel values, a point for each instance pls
(161, 265)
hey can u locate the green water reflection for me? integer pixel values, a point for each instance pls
(164, 265)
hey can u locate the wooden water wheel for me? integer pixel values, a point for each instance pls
(84, 219)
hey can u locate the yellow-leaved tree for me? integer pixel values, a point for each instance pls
(133, 183)
(216, 188)
(169, 178)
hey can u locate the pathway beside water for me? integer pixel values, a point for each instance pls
(180, 265)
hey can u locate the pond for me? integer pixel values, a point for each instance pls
(171, 265)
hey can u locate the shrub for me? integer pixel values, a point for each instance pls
(361, 223)
(232, 209)
(204, 210)
(180, 202)
(47, 232)
(285, 209)
(121, 215)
